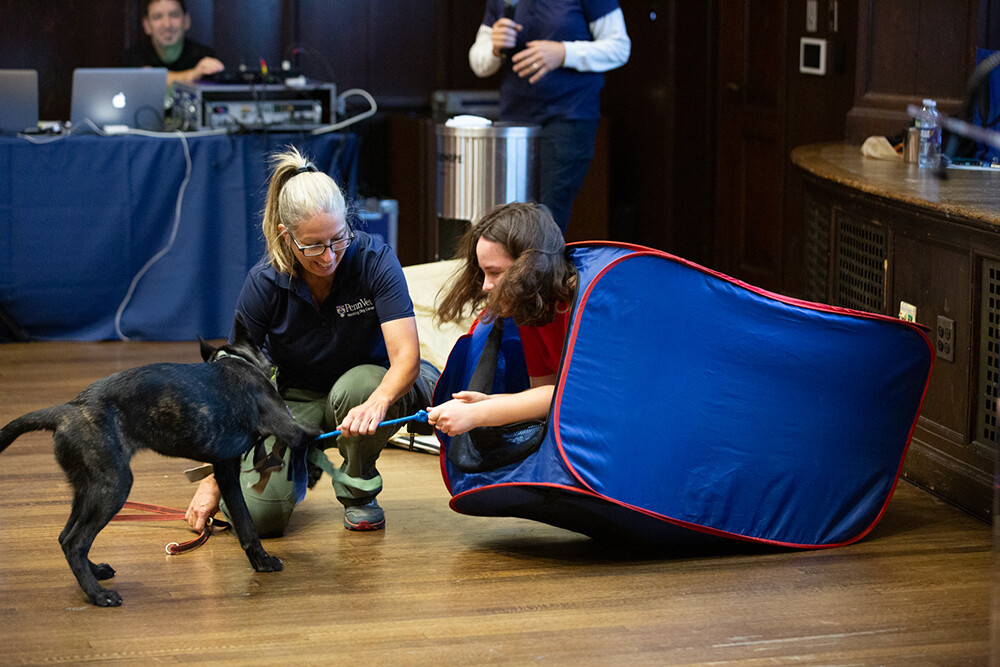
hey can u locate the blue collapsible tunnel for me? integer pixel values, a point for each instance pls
(690, 406)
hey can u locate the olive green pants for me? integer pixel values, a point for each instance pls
(357, 481)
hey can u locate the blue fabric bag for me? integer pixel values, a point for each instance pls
(690, 406)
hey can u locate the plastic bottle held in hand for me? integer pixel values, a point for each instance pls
(930, 136)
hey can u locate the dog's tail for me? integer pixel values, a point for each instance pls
(46, 419)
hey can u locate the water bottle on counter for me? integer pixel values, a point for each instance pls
(930, 136)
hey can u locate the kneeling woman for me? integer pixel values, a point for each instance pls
(332, 311)
(515, 265)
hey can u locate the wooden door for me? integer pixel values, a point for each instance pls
(751, 151)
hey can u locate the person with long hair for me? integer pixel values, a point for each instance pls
(332, 311)
(515, 265)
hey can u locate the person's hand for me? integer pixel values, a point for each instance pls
(458, 415)
(204, 67)
(207, 66)
(363, 419)
(203, 505)
(504, 35)
(538, 58)
(470, 396)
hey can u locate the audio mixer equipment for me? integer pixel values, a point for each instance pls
(272, 106)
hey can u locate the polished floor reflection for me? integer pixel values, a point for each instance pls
(439, 587)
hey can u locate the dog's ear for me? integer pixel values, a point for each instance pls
(206, 349)
(242, 334)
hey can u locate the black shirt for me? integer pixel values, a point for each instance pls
(145, 55)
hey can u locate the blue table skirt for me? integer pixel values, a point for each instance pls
(81, 217)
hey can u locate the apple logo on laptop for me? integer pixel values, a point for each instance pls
(118, 101)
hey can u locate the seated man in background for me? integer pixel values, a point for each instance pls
(165, 22)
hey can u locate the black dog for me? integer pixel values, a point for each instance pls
(211, 412)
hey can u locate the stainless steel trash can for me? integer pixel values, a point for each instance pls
(479, 168)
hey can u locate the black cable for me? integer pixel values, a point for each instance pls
(297, 48)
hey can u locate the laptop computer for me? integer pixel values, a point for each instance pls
(18, 100)
(125, 96)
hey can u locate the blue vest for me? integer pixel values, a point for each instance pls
(564, 94)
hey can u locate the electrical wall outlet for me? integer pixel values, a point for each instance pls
(945, 344)
(907, 312)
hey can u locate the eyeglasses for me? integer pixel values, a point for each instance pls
(320, 248)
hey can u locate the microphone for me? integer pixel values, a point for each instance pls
(508, 13)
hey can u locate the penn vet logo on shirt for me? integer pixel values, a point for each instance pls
(362, 305)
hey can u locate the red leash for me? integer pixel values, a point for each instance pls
(160, 513)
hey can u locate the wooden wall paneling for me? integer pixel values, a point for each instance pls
(765, 108)
(638, 100)
(589, 219)
(946, 46)
(908, 51)
(693, 73)
(458, 22)
(411, 158)
(730, 84)
(918, 260)
(939, 457)
(817, 113)
(759, 228)
(945, 456)
(413, 142)
(751, 141)
(660, 109)
(893, 62)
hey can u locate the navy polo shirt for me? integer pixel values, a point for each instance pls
(312, 348)
(563, 94)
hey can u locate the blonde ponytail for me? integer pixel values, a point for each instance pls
(289, 202)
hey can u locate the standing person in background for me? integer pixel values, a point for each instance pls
(165, 22)
(552, 54)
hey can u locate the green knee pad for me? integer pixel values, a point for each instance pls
(270, 511)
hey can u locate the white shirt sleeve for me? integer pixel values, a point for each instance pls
(609, 49)
(481, 58)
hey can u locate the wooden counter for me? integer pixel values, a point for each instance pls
(973, 196)
(878, 233)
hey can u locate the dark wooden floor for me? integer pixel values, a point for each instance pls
(437, 587)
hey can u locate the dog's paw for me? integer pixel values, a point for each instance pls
(107, 598)
(268, 563)
(102, 571)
